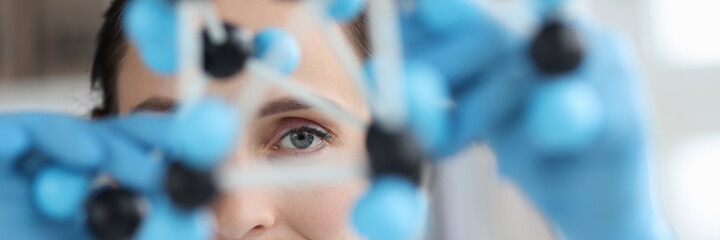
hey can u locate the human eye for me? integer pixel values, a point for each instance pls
(302, 137)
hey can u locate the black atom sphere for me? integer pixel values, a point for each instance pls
(557, 48)
(394, 153)
(114, 214)
(225, 60)
(189, 188)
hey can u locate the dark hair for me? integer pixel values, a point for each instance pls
(111, 48)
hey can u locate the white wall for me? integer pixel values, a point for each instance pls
(67, 94)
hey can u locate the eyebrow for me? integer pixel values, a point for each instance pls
(282, 105)
(290, 104)
(155, 104)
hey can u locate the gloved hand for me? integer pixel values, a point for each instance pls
(573, 142)
(481, 63)
(578, 148)
(49, 161)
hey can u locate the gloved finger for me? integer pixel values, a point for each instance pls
(462, 53)
(148, 130)
(441, 16)
(515, 159)
(425, 19)
(414, 27)
(483, 107)
(15, 141)
(201, 136)
(535, 172)
(64, 139)
(613, 73)
(132, 164)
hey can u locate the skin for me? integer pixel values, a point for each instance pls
(279, 213)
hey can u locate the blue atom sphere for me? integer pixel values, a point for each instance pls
(428, 97)
(14, 143)
(160, 58)
(545, 8)
(277, 48)
(345, 10)
(152, 26)
(564, 116)
(391, 210)
(149, 21)
(206, 133)
(59, 193)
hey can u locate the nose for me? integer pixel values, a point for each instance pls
(242, 214)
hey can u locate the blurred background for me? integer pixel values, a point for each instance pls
(46, 49)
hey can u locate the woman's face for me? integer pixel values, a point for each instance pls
(281, 127)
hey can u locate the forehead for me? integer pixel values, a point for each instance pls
(258, 14)
(319, 69)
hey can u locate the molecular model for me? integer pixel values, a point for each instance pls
(424, 108)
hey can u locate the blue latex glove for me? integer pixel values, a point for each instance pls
(37, 138)
(598, 187)
(47, 162)
(582, 162)
(479, 59)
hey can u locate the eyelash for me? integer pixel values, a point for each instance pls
(324, 136)
(307, 128)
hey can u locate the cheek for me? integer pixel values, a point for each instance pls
(322, 213)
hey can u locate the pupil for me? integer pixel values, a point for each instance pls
(302, 140)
